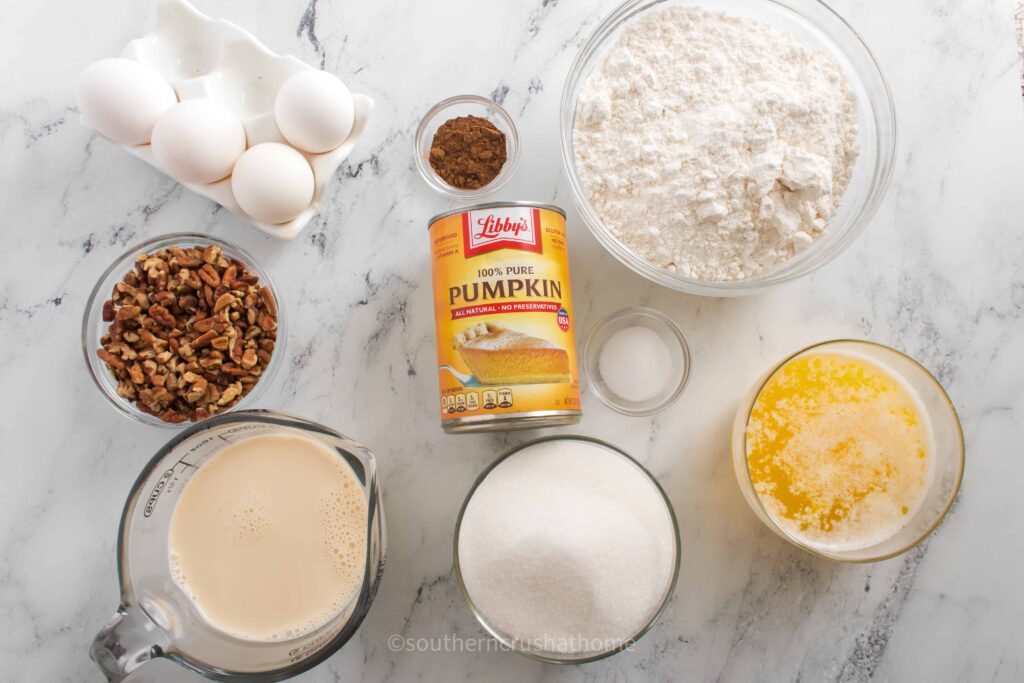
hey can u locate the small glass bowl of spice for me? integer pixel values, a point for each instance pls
(467, 147)
(637, 361)
(182, 327)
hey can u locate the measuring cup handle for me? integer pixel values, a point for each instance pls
(130, 640)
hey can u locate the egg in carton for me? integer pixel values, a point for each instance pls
(227, 77)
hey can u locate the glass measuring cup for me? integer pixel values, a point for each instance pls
(156, 618)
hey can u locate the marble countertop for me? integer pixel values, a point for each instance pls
(938, 274)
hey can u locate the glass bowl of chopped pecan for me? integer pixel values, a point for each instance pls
(182, 327)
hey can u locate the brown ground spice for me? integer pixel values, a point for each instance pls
(468, 152)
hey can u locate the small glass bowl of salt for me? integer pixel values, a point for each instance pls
(637, 361)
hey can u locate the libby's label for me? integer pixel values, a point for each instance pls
(503, 312)
(514, 227)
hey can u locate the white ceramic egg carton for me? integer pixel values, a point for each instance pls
(212, 58)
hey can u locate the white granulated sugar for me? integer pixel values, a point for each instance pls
(712, 145)
(567, 547)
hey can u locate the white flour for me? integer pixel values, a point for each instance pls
(712, 145)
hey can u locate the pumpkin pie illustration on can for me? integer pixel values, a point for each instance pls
(498, 355)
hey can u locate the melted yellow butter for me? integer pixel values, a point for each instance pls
(838, 449)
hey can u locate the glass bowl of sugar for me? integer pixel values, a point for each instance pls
(637, 361)
(567, 550)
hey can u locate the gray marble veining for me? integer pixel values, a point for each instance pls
(939, 274)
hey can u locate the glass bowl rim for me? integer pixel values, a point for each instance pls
(960, 445)
(542, 656)
(124, 261)
(675, 331)
(784, 272)
(512, 143)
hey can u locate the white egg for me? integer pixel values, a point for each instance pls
(272, 182)
(314, 111)
(198, 141)
(122, 99)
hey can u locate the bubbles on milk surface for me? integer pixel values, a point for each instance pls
(343, 518)
(268, 538)
(252, 522)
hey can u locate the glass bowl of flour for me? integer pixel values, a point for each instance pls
(720, 147)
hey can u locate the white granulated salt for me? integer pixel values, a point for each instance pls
(635, 364)
(715, 146)
(567, 547)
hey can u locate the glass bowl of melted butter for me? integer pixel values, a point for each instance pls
(850, 450)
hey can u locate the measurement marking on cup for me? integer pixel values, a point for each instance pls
(157, 490)
(169, 478)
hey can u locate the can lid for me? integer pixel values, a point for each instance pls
(495, 205)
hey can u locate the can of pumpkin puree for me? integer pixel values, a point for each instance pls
(506, 349)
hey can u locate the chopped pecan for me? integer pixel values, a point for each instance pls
(230, 394)
(236, 347)
(163, 298)
(135, 372)
(110, 359)
(204, 325)
(223, 302)
(190, 332)
(210, 362)
(172, 416)
(162, 316)
(208, 274)
(268, 300)
(191, 280)
(204, 339)
(211, 254)
(249, 358)
(127, 313)
(234, 370)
